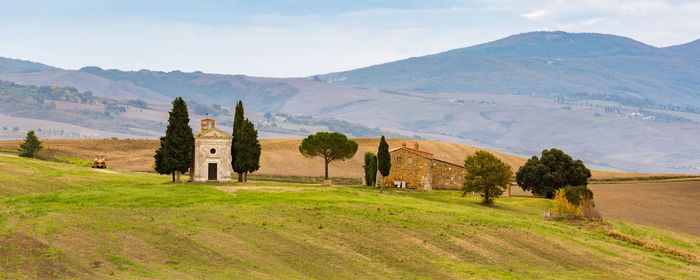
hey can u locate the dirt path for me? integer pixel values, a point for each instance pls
(8, 155)
(104, 171)
(233, 189)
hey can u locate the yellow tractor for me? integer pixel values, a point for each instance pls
(99, 162)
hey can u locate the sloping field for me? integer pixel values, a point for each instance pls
(279, 157)
(66, 221)
(671, 205)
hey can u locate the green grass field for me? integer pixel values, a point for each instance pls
(60, 220)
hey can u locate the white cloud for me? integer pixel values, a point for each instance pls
(655, 22)
(536, 15)
(300, 45)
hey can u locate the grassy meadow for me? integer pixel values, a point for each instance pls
(61, 220)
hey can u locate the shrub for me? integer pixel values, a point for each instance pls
(577, 194)
(575, 202)
(562, 208)
(589, 212)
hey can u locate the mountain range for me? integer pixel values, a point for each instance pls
(612, 101)
(547, 63)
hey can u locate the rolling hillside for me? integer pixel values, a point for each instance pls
(65, 221)
(280, 157)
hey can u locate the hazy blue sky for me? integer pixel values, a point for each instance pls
(300, 38)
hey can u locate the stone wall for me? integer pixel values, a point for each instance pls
(422, 173)
(413, 173)
(447, 176)
(203, 156)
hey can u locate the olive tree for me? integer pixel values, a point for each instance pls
(486, 175)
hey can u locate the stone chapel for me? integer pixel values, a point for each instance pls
(211, 161)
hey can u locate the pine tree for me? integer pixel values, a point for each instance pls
(238, 120)
(179, 140)
(383, 161)
(328, 145)
(30, 146)
(247, 149)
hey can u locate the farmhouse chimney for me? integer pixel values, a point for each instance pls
(416, 145)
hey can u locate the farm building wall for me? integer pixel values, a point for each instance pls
(408, 167)
(447, 176)
(420, 171)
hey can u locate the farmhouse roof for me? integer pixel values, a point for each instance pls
(422, 154)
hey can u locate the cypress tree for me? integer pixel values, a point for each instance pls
(161, 165)
(247, 149)
(30, 146)
(178, 140)
(238, 120)
(383, 161)
(370, 168)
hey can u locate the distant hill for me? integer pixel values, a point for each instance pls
(691, 49)
(558, 45)
(612, 101)
(9, 65)
(207, 88)
(546, 63)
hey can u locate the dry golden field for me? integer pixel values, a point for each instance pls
(280, 157)
(669, 205)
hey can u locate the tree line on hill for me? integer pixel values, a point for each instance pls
(175, 154)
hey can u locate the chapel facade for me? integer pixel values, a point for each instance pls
(211, 161)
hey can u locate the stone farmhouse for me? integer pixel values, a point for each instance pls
(212, 154)
(415, 169)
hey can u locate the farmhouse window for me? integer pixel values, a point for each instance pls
(398, 160)
(410, 160)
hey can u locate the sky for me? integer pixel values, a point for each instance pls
(301, 38)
